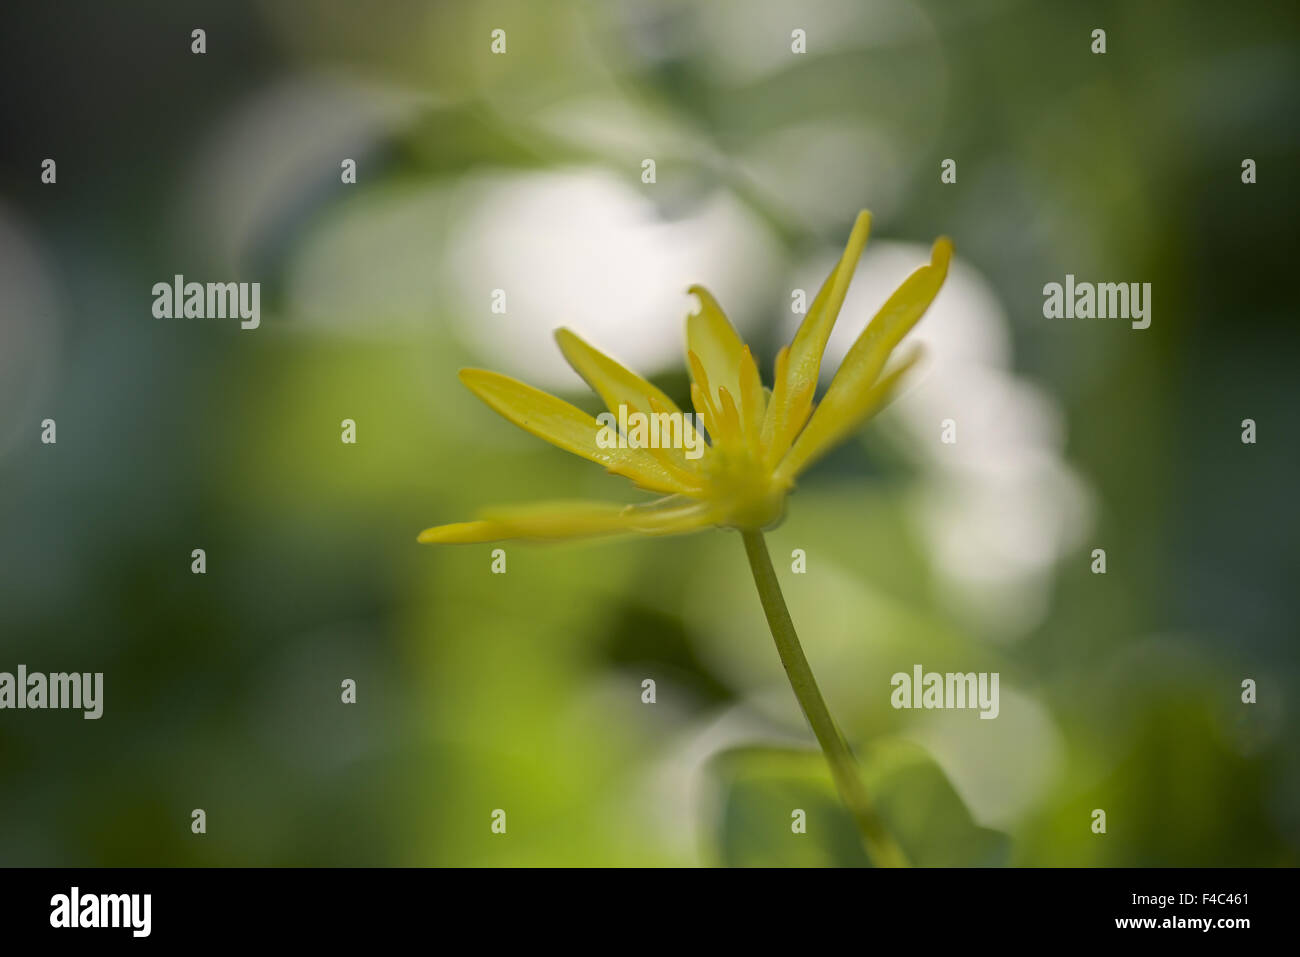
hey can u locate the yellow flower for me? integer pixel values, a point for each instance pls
(760, 441)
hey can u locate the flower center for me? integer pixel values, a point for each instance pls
(751, 495)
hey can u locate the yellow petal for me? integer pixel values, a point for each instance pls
(710, 335)
(619, 386)
(708, 405)
(616, 384)
(867, 405)
(674, 457)
(776, 417)
(552, 521)
(752, 401)
(730, 416)
(796, 380)
(852, 397)
(704, 409)
(566, 426)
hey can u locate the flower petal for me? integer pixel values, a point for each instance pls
(752, 402)
(796, 378)
(619, 386)
(715, 342)
(568, 427)
(852, 395)
(553, 521)
(616, 384)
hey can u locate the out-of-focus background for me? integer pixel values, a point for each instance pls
(522, 172)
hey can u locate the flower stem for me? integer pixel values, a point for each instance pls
(880, 844)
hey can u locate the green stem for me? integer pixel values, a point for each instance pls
(880, 844)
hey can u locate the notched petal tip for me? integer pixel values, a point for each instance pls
(706, 298)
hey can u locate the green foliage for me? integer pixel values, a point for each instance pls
(760, 787)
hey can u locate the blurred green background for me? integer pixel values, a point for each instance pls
(523, 172)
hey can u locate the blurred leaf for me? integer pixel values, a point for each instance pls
(762, 787)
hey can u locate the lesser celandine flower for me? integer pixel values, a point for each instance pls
(760, 441)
